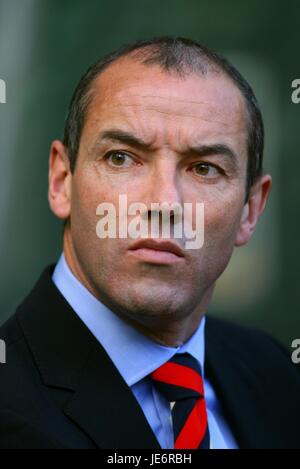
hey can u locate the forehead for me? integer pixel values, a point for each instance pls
(153, 101)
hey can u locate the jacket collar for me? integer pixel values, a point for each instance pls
(244, 395)
(69, 357)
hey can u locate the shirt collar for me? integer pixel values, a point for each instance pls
(134, 355)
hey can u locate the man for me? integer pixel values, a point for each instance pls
(112, 348)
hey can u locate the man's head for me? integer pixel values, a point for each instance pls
(161, 121)
(174, 55)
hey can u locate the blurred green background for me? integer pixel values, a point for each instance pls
(45, 47)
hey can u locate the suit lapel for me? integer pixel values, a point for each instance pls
(68, 356)
(243, 400)
(104, 406)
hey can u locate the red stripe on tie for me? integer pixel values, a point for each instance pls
(179, 375)
(194, 429)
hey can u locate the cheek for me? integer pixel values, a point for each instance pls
(222, 220)
(221, 224)
(88, 191)
(83, 209)
(85, 198)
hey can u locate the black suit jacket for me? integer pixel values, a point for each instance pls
(59, 388)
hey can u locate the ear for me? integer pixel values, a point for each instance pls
(59, 178)
(253, 209)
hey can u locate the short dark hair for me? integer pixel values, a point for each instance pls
(173, 54)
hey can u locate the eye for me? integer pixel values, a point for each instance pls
(206, 170)
(119, 159)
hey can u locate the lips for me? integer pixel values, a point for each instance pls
(155, 251)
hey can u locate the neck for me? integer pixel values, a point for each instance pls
(171, 334)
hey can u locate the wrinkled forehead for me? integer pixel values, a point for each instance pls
(129, 89)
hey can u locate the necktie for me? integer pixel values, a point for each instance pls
(180, 381)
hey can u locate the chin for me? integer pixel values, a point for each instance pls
(151, 306)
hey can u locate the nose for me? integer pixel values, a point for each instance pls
(164, 183)
(163, 192)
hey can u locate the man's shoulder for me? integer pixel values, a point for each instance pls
(31, 412)
(254, 347)
(13, 341)
(221, 328)
(19, 375)
(17, 354)
(18, 390)
(10, 331)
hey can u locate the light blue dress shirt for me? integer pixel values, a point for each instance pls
(136, 356)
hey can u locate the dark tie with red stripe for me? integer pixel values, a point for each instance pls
(180, 381)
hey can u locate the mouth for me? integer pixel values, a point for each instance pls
(157, 252)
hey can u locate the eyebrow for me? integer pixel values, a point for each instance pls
(121, 136)
(215, 149)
